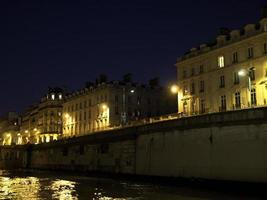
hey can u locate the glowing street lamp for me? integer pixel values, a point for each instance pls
(104, 106)
(242, 72)
(174, 89)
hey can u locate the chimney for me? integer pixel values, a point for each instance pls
(224, 31)
(264, 12)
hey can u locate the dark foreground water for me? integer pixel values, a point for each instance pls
(44, 185)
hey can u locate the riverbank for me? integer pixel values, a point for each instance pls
(229, 146)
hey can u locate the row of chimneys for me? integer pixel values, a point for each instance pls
(234, 34)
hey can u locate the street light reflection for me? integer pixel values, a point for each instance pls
(63, 190)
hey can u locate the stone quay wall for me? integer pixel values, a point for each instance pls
(220, 146)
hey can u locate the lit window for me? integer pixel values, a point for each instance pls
(60, 96)
(53, 96)
(221, 61)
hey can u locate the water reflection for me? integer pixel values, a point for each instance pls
(63, 190)
(47, 186)
(19, 188)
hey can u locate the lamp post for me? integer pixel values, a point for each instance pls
(243, 73)
(174, 90)
(123, 114)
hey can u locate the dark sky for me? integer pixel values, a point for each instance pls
(65, 43)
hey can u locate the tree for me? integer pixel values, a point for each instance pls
(89, 84)
(127, 78)
(102, 78)
(154, 82)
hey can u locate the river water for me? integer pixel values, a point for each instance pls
(44, 185)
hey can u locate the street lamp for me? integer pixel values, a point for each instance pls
(123, 114)
(174, 90)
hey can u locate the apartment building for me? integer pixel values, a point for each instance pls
(110, 104)
(227, 74)
(9, 129)
(42, 122)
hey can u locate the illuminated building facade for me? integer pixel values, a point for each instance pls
(228, 74)
(111, 104)
(9, 129)
(42, 122)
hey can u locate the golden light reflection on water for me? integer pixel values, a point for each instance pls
(29, 188)
(63, 190)
(19, 188)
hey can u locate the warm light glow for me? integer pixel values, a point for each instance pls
(67, 115)
(242, 72)
(104, 106)
(132, 91)
(174, 89)
(35, 129)
(221, 61)
(26, 131)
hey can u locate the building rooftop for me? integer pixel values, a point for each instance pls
(226, 37)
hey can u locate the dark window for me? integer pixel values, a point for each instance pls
(202, 86)
(184, 74)
(250, 52)
(116, 110)
(237, 100)
(84, 115)
(192, 88)
(129, 99)
(202, 106)
(192, 71)
(236, 78)
(265, 48)
(223, 103)
(116, 98)
(252, 74)
(139, 100)
(201, 69)
(222, 82)
(235, 57)
(253, 97)
(185, 91)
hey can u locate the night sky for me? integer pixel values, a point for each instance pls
(66, 43)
